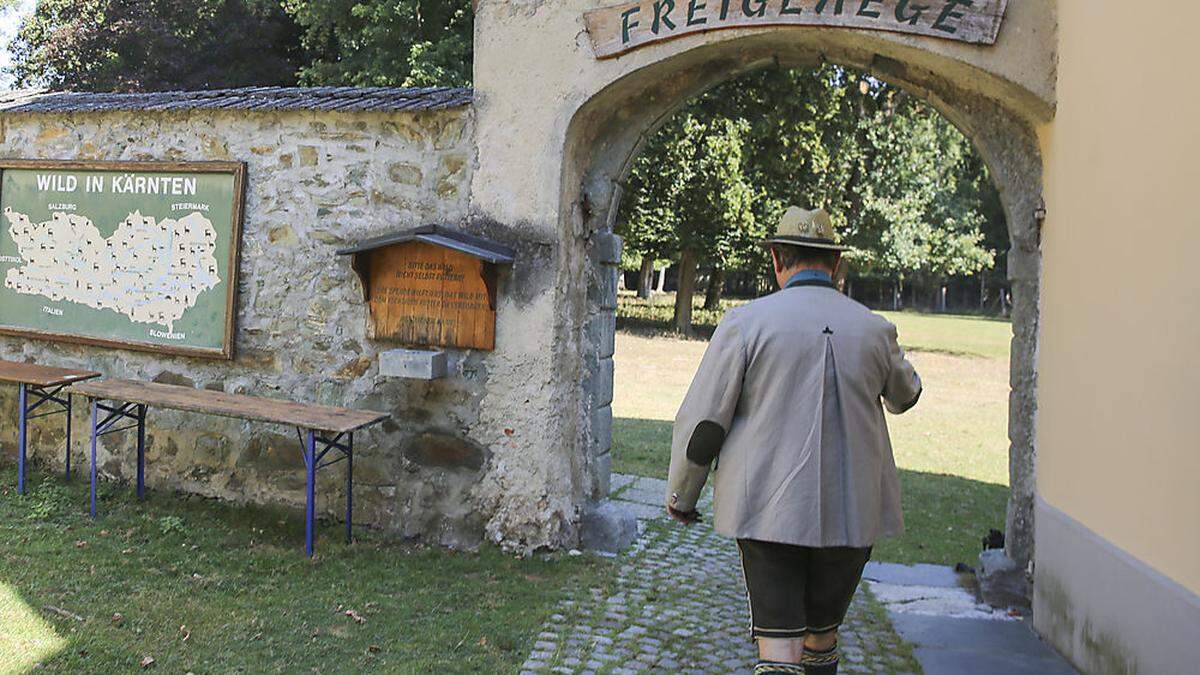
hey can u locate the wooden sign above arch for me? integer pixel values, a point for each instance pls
(623, 28)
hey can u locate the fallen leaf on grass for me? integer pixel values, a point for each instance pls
(117, 618)
(80, 544)
(374, 649)
(358, 618)
(147, 661)
(183, 630)
(482, 641)
(63, 613)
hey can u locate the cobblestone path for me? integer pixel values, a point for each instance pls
(677, 604)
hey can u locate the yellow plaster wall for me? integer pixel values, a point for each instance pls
(1119, 364)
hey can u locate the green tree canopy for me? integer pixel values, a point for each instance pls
(153, 45)
(386, 43)
(906, 190)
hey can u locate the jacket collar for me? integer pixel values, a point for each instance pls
(809, 278)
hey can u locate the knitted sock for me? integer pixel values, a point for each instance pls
(778, 667)
(820, 662)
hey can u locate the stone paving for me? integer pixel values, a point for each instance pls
(677, 604)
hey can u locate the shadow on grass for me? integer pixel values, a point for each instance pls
(945, 515)
(204, 586)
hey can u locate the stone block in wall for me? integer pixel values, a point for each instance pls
(413, 364)
(608, 526)
(602, 332)
(606, 248)
(602, 383)
(602, 476)
(436, 450)
(602, 291)
(602, 425)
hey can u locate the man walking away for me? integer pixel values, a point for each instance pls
(788, 408)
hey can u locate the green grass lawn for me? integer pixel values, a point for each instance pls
(952, 449)
(204, 587)
(959, 335)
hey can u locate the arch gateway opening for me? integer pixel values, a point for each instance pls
(595, 111)
(1009, 150)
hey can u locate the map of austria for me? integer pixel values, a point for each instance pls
(151, 271)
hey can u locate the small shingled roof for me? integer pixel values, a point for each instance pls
(441, 235)
(349, 99)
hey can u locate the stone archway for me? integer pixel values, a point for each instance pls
(555, 128)
(608, 132)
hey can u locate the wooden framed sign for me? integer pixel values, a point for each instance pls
(432, 286)
(625, 27)
(136, 255)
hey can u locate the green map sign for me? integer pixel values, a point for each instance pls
(140, 255)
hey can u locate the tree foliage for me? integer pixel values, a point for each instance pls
(906, 190)
(150, 45)
(703, 202)
(385, 43)
(153, 45)
(701, 208)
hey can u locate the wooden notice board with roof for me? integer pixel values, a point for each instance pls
(432, 286)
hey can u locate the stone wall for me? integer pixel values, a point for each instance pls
(316, 181)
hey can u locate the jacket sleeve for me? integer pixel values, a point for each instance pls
(706, 414)
(902, 389)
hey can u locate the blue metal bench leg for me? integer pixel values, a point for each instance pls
(22, 437)
(115, 413)
(350, 489)
(141, 453)
(94, 405)
(69, 399)
(310, 510)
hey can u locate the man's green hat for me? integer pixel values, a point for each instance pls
(810, 229)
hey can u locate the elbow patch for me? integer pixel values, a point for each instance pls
(909, 406)
(705, 443)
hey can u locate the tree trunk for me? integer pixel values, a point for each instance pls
(683, 295)
(662, 280)
(646, 278)
(716, 287)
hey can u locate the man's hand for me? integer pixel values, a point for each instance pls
(685, 517)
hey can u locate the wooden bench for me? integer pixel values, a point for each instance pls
(322, 429)
(44, 385)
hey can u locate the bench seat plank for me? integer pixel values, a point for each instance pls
(305, 415)
(41, 376)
